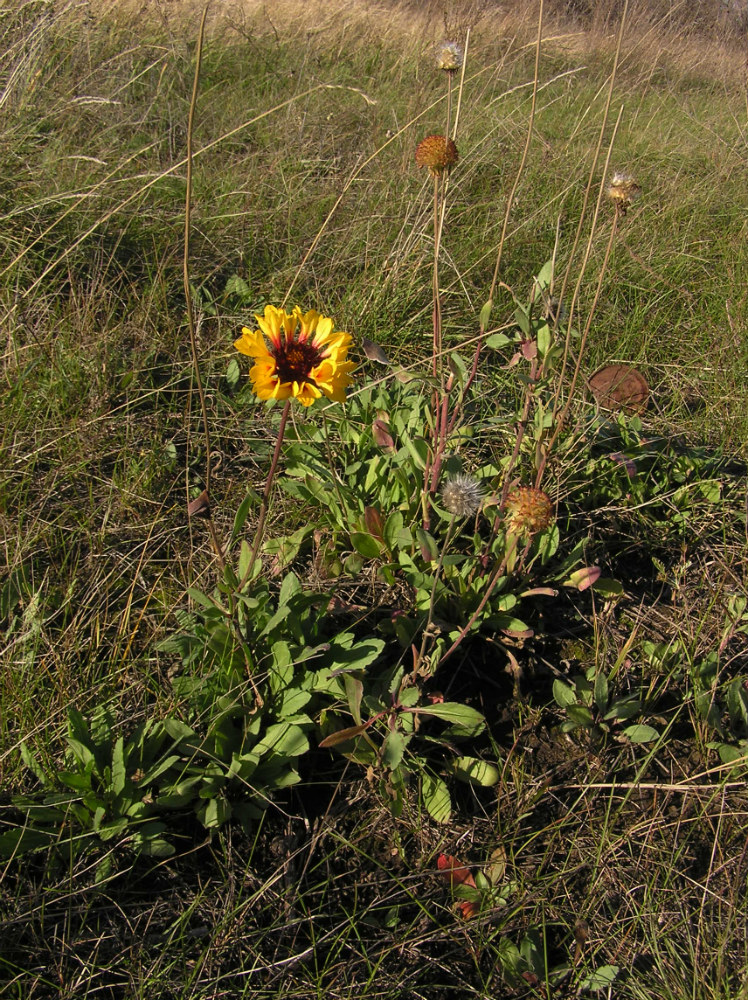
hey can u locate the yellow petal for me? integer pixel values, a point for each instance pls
(251, 344)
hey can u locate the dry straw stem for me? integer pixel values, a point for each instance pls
(188, 294)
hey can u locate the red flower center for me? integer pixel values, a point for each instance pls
(294, 361)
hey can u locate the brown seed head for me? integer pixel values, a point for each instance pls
(528, 511)
(437, 153)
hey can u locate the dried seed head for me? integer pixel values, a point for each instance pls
(437, 153)
(450, 56)
(622, 190)
(462, 495)
(528, 511)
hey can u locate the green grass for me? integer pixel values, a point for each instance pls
(308, 126)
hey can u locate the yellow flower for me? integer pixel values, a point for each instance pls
(304, 359)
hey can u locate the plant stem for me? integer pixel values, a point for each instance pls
(266, 494)
(498, 572)
(432, 600)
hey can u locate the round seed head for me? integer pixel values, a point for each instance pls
(462, 496)
(437, 153)
(622, 190)
(450, 56)
(528, 511)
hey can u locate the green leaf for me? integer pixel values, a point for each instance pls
(485, 316)
(393, 529)
(283, 738)
(498, 340)
(475, 771)
(119, 767)
(281, 671)
(82, 753)
(214, 813)
(159, 768)
(23, 839)
(354, 690)
(238, 286)
(289, 588)
(522, 320)
(417, 449)
(580, 715)
(34, 766)
(113, 828)
(601, 979)
(365, 544)
(292, 702)
(641, 734)
(436, 798)
(233, 373)
(245, 556)
(148, 840)
(427, 545)
(178, 730)
(78, 729)
(544, 276)
(459, 715)
(601, 692)
(563, 694)
(607, 587)
(205, 601)
(393, 748)
(544, 339)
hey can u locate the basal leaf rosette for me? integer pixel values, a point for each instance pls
(297, 355)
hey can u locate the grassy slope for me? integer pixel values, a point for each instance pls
(99, 428)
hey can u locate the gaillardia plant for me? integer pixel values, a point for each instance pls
(305, 358)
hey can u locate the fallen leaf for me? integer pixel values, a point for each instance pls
(455, 871)
(620, 387)
(200, 506)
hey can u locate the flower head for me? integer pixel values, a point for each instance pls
(450, 56)
(304, 357)
(528, 511)
(622, 190)
(462, 495)
(437, 153)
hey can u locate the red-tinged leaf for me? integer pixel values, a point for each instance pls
(455, 871)
(382, 435)
(467, 908)
(200, 506)
(542, 591)
(583, 578)
(521, 633)
(342, 735)
(628, 463)
(514, 360)
(529, 349)
(373, 522)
